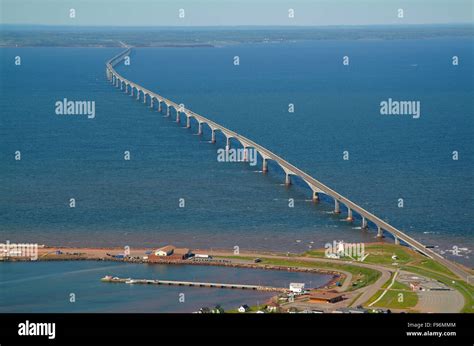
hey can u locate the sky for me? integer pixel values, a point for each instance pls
(234, 12)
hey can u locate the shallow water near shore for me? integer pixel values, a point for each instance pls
(47, 286)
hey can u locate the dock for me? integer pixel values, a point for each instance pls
(193, 284)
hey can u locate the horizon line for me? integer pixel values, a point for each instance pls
(238, 26)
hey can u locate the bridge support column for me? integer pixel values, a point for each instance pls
(213, 136)
(117, 82)
(349, 215)
(379, 232)
(315, 197)
(337, 208)
(138, 94)
(287, 180)
(126, 88)
(152, 103)
(264, 166)
(364, 223)
(168, 110)
(144, 98)
(177, 116)
(121, 86)
(159, 106)
(199, 129)
(397, 241)
(131, 91)
(188, 122)
(227, 145)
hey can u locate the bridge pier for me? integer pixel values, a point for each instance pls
(167, 110)
(200, 129)
(126, 88)
(138, 94)
(152, 103)
(379, 232)
(159, 106)
(287, 180)
(397, 241)
(315, 197)
(177, 116)
(188, 121)
(227, 145)
(364, 223)
(264, 166)
(144, 98)
(121, 86)
(213, 136)
(349, 215)
(337, 208)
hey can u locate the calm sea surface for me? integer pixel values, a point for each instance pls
(135, 202)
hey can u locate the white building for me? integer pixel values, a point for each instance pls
(244, 308)
(165, 251)
(297, 287)
(198, 255)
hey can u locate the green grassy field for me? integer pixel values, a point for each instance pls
(382, 254)
(399, 296)
(395, 299)
(378, 254)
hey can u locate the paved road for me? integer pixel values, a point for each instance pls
(440, 301)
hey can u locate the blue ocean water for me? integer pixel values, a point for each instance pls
(135, 202)
(54, 282)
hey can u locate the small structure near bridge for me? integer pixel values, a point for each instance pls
(320, 296)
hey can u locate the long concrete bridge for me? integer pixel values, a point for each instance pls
(316, 186)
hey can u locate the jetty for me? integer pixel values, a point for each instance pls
(130, 281)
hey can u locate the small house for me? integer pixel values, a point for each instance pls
(244, 308)
(165, 251)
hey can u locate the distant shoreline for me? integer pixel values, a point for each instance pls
(190, 37)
